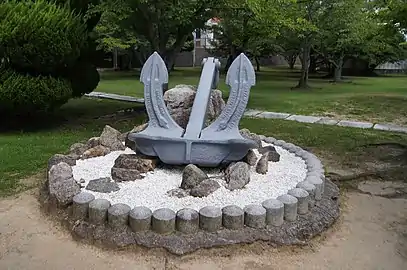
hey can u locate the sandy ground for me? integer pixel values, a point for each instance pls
(372, 234)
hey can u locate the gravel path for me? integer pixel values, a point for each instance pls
(370, 236)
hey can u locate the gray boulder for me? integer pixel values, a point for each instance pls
(102, 185)
(78, 149)
(238, 176)
(122, 175)
(251, 136)
(96, 151)
(262, 164)
(250, 158)
(268, 148)
(110, 138)
(61, 184)
(93, 142)
(205, 188)
(273, 155)
(179, 101)
(192, 176)
(130, 144)
(178, 192)
(135, 162)
(58, 158)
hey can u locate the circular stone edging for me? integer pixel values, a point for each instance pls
(212, 226)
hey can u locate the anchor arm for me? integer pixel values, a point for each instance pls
(240, 78)
(154, 75)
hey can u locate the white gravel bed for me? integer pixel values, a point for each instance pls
(151, 191)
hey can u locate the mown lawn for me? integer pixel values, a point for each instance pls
(376, 99)
(24, 153)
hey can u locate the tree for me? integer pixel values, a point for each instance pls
(343, 25)
(239, 31)
(162, 26)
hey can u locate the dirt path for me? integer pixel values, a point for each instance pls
(371, 235)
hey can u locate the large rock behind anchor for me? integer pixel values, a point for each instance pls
(180, 99)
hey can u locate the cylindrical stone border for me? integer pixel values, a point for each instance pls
(280, 212)
(140, 219)
(163, 221)
(232, 217)
(274, 212)
(290, 207)
(118, 215)
(80, 205)
(255, 216)
(210, 218)
(187, 221)
(98, 211)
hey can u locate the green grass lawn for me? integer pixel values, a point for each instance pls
(377, 99)
(25, 152)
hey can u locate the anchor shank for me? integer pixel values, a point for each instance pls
(203, 96)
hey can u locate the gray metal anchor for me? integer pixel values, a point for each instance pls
(220, 142)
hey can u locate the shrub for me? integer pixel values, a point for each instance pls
(40, 37)
(25, 94)
(84, 78)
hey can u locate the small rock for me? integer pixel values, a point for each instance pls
(93, 142)
(96, 151)
(122, 175)
(130, 144)
(268, 148)
(58, 158)
(192, 176)
(78, 148)
(262, 166)
(250, 158)
(139, 128)
(110, 139)
(61, 183)
(227, 170)
(135, 162)
(102, 185)
(238, 176)
(274, 156)
(205, 188)
(178, 192)
(123, 136)
(251, 136)
(82, 181)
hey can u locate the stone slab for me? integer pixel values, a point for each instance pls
(355, 124)
(273, 115)
(252, 113)
(389, 127)
(304, 118)
(327, 121)
(114, 97)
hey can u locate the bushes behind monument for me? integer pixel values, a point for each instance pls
(40, 56)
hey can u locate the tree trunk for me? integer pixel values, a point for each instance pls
(305, 61)
(291, 64)
(257, 64)
(313, 64)
(338, 69)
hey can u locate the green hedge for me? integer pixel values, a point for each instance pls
(25, 94)
(39, 36)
